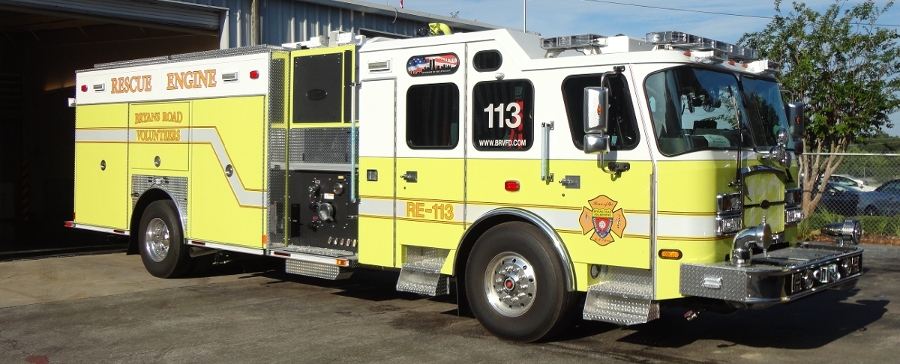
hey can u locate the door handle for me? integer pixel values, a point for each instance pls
(410, 176)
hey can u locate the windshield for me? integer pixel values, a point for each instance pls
(696, 109)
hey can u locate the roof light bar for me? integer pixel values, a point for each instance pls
(681, 40)
(573, 41)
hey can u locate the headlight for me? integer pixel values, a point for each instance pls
(729, 203)
(793, 216)
(729, 224)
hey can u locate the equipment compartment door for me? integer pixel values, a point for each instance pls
(430, 150)
(101, 165)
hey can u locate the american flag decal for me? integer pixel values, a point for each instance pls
(434, 64)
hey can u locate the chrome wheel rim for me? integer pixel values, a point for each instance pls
(156, 240)
(510, 284)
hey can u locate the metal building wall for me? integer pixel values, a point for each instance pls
(284, 21)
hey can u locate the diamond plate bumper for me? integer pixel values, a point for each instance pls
(781, 276)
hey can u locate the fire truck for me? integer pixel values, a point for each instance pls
(542, 177)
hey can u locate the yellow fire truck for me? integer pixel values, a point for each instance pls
(533, 173)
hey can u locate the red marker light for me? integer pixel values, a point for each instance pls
(254, 75)
(83, 88)
(512, 186)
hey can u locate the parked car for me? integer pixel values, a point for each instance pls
(851, 181)
(839, 199)
(891, 187)
(880, 202)
(850, 201)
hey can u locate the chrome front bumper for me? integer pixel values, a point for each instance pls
(780, 276)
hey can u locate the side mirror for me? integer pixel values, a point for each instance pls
(596, 101)
(795, 120)
(595, 143)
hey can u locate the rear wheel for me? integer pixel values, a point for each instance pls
(515, 283)
(161, 242)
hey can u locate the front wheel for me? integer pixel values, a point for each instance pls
(161, 242)
(516, 284)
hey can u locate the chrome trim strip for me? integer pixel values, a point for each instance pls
(346, 167)
(760, 169)
(558, 245)
(228, 247)
(101, 229)
(310, 258)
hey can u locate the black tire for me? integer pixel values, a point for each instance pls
(161, 241)
(870, 211)
(515, 283)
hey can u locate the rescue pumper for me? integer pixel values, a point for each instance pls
(534, 173)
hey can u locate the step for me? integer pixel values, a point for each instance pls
(332, 264)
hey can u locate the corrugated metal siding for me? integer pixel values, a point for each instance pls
(285, 21)
(172, 13)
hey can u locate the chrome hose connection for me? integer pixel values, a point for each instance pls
(742, 250)
(844, 233)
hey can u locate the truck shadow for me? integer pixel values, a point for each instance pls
(809, 323)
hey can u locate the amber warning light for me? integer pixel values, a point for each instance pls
(670, 254)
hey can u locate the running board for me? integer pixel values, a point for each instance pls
(315, 262)
(422, 272)
(623, 297)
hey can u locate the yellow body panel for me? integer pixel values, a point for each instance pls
(432, 207)
(101, 195)
(376, 231)
(215, 212)
(239, 124)
(707, 179)
(623, 197)
(160, 134)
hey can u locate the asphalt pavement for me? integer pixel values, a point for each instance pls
(105, 308)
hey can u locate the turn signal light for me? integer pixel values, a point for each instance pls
(674, 254)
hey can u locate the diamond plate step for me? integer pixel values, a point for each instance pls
(624, 296)
(316, 262)
(422, 272)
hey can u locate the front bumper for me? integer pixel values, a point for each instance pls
(781, 276)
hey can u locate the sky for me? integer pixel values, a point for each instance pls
(634, 18)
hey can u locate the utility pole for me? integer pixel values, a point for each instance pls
(524, 16)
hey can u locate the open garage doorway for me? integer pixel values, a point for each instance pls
(40, 50)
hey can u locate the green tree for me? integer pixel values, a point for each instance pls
(844, 67)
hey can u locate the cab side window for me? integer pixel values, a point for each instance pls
(432, 116)
(503, 115)
(622, 131)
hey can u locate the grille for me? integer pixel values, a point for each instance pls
(764, 189)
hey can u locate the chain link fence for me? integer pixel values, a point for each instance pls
(865, 186)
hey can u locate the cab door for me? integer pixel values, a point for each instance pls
(430, 150)
(613, 226)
